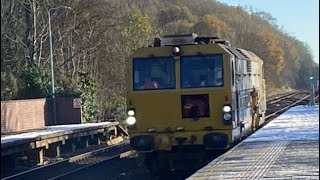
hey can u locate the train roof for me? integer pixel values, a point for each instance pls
(191, 39)
(184, 39)
(242, 53)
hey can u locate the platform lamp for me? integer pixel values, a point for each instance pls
(51, 61)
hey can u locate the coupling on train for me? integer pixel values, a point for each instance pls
(189, 95)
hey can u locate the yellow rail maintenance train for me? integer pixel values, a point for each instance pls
(188, 96)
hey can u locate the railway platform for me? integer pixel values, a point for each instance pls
(285, 148)
(48, 141)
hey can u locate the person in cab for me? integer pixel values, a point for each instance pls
(148, 83)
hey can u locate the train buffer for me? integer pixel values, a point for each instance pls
(286, 148)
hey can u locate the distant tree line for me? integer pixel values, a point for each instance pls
(93, 39)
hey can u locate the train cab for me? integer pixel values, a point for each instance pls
(191, 91)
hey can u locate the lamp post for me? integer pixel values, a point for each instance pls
(51, 62)
(312, 96)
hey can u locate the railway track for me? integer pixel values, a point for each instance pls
(278, 105)
(77, 163)
(277, 98)
(95, 162)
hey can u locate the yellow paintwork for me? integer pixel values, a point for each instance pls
(161, 109)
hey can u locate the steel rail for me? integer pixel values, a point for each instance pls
(280, 98)
(287, 107)
(56, 166)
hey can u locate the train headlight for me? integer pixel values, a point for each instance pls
(131, 112)
(226, 109)
(131, 120)
(227, 116)
(176, 50)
